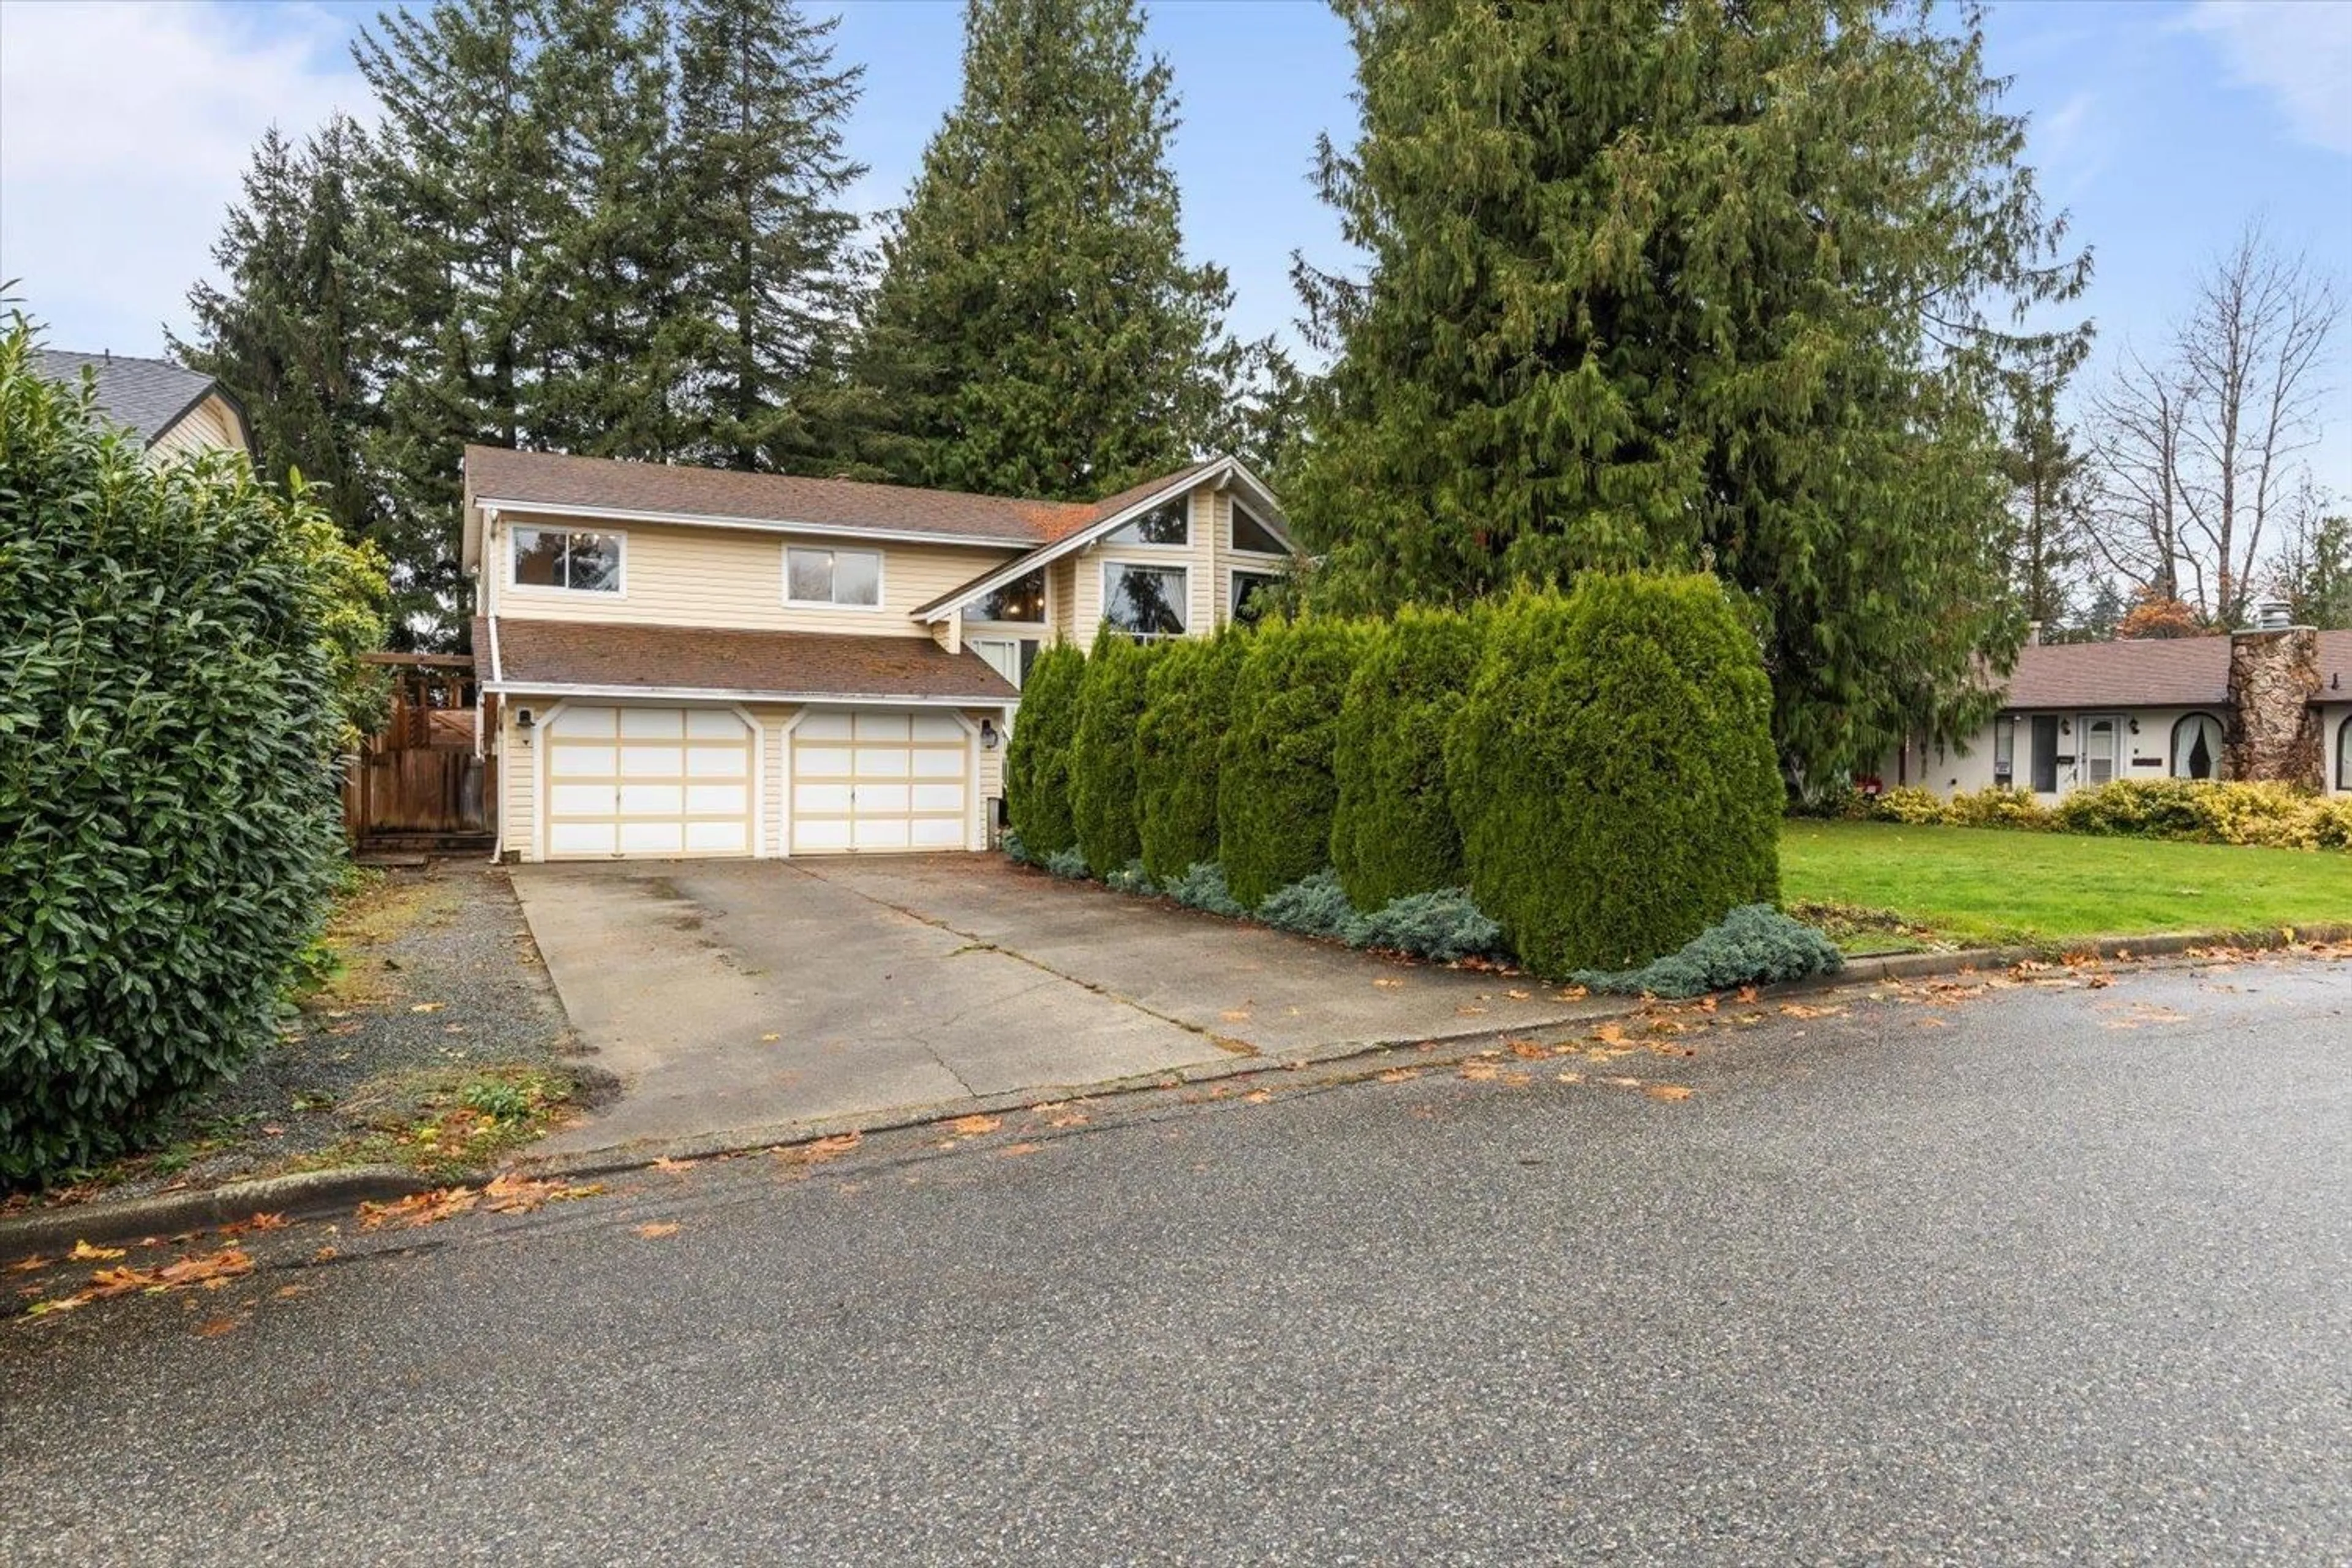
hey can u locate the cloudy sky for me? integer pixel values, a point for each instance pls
(2163, 125)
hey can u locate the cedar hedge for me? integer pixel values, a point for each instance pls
(1102, 751)
(1393, 830)
(1612, 771)
(1188, 698)
(176, 694)
(1275, 789)
(1037, 759)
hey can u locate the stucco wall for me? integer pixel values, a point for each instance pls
(1949, 770)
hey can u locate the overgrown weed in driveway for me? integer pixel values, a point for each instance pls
(444, 1122)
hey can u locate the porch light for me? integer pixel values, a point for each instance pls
(988, 736)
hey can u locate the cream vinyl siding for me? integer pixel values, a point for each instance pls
(687, 576)
(775, 754)
(992, 763)
(518, 781)
(210, 425)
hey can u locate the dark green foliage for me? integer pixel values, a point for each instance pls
(1612, 771)
(1688, 286)
(169, 820)
(1275, 790)
(1188, 698)
(1313, 906)
(1444, 927)
(1102, 751)
(1037, 330)
(1202, 887)
(1037, 759)
(1392, 832)
(1755, 944)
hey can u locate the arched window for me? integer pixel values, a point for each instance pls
(2344, 755)
(2197, 747)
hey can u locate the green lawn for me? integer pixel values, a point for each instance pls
(1981, 884)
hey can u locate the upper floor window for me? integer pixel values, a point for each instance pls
(849, 578)
(1170, 523)
(567, 558)
(1251, 534)
(1248, 603)
(1144, 601)
(2197, 747)
(1023, 599)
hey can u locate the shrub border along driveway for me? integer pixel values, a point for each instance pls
(316, 1194)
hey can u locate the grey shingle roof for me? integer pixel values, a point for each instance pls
(148, 395)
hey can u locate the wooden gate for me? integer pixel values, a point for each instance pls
(417, 783)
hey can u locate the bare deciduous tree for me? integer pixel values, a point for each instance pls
(2200, 455)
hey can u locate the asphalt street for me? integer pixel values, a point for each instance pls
(2057, 1271)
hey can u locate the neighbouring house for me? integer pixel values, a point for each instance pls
(680, 661)
(174, 411)
(2273, 702)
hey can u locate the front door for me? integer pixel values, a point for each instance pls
(2102, 738)
(2046, 754)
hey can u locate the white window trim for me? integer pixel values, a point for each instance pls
(881, 580)
(549, 590)
(2172, 740)
(1234, 576)
(1183, 602)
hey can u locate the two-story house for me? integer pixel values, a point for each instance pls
(682, 661)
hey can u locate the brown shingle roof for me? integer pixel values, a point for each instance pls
(535, 653)
(545, 478)
(2335, 667)
(2169, 672)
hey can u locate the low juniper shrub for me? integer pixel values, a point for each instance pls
(1444, 927)
(1755, 944)
(1070, 863)
(1131, 878)
(1202, 887)
(1015, 850)
(1313, 906)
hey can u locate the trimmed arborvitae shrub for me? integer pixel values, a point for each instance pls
(1037, 759)
(1102, 752)
(1275, 790)
(1444, 927)
(1188, 698)
(1393, 831)
(1202, 887)
(175, 646)
(1612, 771)
(1755, 944)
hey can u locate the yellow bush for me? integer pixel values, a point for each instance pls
(1912, 804)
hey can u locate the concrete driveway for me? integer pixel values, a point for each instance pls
(744, 997)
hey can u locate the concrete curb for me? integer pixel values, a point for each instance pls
(303, 1195)
(1466, 1043)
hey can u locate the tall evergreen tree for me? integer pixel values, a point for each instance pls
(1687, 282)
(1038, 330)
(289, 331)
(770, 268)
(2048, 509)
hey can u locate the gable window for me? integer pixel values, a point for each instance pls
(1023, 599)
(2005, 750)
(1145, 601)
(1252, 535)
(1248, 604)
(1170, 523)
(570, 559)
(2197, 747)
(849, 578)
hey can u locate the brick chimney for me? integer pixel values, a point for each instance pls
(2273, 730)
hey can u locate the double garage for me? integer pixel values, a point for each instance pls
(623, 780)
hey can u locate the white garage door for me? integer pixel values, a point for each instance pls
(873, 779)
(647, 781)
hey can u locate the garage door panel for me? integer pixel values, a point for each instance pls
(880, 833)
(637, 784)
(870, 779)
(937, 727)
(823, 727)
(822, 799)
(821, 836)
(938, 797)
(941, 764)
(821, 762)
(881, 726)
(882, 762)
(930, 833)
(880, 799)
